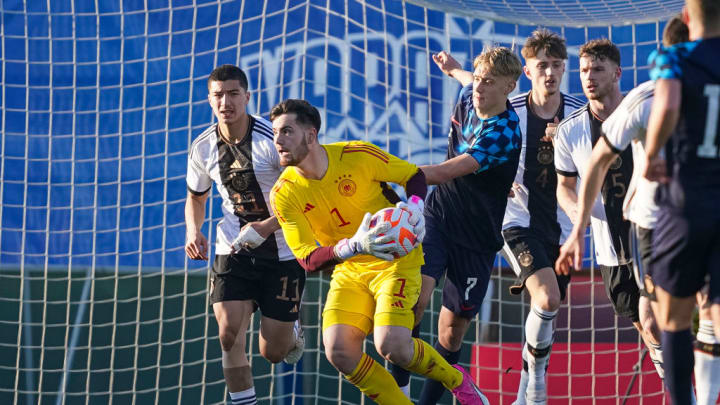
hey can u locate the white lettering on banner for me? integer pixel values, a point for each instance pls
(395, 98)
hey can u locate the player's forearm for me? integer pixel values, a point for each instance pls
(450, 169)
(663, 116)
(194, 213)
(567, 200)
(463, 76)
(600, 160)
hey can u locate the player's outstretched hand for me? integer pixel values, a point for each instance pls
(367, 241)
(248, 238)
(196, 246)
(416, 206)
(446, 62)
(571, 254)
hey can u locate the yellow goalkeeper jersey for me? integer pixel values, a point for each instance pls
(332, 208)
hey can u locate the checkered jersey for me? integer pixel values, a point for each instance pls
(471, 207)
(666, 63)
(493, 138)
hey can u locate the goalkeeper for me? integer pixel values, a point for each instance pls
(323, 202)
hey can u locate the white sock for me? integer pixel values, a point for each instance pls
(539, 336)
(707, 366)
(657, 359)
(524, 377)
(406, 390)
(246, 397)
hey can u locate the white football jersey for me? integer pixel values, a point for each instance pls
(628, 123)
(534, 192)
(244, 174)
(573, 146)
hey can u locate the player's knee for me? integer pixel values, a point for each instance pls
(547, 301)
(273, 354)
(340, 357)
(394, 351)
(228, 339)
(450, 339)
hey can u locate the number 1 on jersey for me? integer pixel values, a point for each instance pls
(709, 149)
(342, 220)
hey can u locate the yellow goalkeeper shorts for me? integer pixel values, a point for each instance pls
(365, 299)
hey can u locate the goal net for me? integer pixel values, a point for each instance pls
(100, 102)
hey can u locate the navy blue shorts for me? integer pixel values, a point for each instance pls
(686, 250)
(468, 271)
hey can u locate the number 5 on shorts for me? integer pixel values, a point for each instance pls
(471, 283)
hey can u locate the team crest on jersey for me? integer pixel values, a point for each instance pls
(545, 154)
(525, 258)
(346, 186)
(616, 164)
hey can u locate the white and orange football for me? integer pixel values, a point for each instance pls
(403, 238)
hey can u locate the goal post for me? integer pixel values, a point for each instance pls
(100, 103)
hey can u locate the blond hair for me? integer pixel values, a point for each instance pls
(500, 61)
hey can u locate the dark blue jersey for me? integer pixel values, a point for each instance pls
(693, 148)
(471, 207)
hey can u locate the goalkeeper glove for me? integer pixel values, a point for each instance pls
(366, 241)
(248, 238)
(416, 206)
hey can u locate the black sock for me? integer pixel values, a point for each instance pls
(433, 390)
(402, 376)
(679, 362)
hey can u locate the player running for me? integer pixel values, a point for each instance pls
(323, 201)
(464, 213)
(253, 266)
(534, 225)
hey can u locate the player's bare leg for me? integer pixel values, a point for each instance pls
(539, 328)
(233, 318)
(674, 317)
(276, 339)
(650, 334)
(707, 354)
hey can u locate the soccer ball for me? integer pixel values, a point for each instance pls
(402, 232)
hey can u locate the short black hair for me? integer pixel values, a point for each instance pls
(304, 112)
(228, 72)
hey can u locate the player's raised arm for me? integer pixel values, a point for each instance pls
(448, 65)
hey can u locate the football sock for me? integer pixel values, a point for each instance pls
(707, 364)
(524, 377)
(376, 382)
(246, 397)
(433, 389)
(539, 338)
(401, 375)
(657, 359)
(678, 359)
